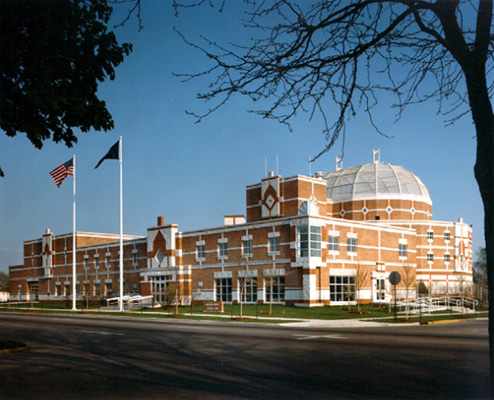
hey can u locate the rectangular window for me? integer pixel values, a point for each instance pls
(247, 247)
(303, 241)
(275, 289)
(58, 290)
(315, 241)
(430, 257)
(446, 257)
(274, 244)
(97, 289)
(86, 264)
(430, 235)
(67, 289)
(309, 241)
(224, 289)
(134, 258)
(78, 288)
(381, 289)
(86, 288)
(108, 262)
(201, 251)
(402, 250)
(108, 287)
(342, 288)
(96, 263)
(223, 249)
(248, 289)
(351, 245)
(447, 237)
(333, 243)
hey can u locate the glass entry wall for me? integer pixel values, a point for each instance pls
(342, 288)
(380, 290)
(248, 289)
(160, 289)
(34, 291)
(275, 289)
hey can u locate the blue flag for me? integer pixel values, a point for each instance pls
(111, 155)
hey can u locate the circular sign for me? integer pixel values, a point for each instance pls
(394, 278)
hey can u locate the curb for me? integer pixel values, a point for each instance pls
(14, 350)
(441, 321)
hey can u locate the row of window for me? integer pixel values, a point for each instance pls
(247, 248)
(65, 289)
(334, 244)
(447, 257)
(342, 288)
(430, 236)
(275, 289)
(108, 261)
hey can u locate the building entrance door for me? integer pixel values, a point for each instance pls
(34, 291)
(160, 289)
(379, 292)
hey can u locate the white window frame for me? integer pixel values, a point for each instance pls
(250, 283)
(334, 243)
(223, 289)
(222, 249)
(351, 245)
(200, 251)
(402, 250)
(340, 287)
(247, 247)
(274, 245)
(309, 241)
(278, 288)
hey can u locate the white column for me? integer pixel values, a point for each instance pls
(121, 225)
(74, 308)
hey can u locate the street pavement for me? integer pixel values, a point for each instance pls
(98, 357)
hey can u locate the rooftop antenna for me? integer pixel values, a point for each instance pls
(376, 156)
(339, 163)
(277, 169)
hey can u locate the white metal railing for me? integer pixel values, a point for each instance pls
(432, 304)
(131, 302)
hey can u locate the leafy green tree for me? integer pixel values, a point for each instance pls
(53, 55)
(4, 282)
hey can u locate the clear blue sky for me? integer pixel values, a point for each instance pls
(194, 174)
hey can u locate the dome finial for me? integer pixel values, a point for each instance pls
(376, 156)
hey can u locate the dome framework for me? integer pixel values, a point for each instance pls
(375, 180)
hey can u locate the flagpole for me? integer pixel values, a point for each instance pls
(121, 225)
(74, 308)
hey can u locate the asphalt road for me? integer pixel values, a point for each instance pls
(73, 357)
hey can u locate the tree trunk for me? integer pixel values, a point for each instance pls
(484, 173)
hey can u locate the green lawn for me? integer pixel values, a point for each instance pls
(248, 310)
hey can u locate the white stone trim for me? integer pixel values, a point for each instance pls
(222, 274)
(275, 272)
(247, 274)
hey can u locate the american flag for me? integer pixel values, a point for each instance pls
(61, 172)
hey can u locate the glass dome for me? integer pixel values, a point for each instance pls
(375, 180)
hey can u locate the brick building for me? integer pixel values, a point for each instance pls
(308, 240)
